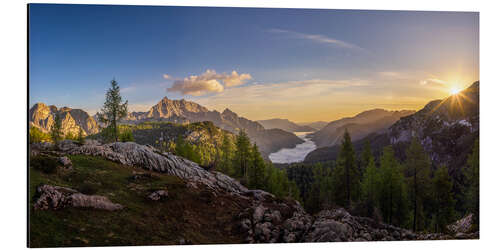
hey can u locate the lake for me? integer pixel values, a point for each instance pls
(297, 154)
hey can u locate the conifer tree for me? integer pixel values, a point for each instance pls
(392, 190)
(370, 185)
(346, 174)
(443, 197)
(81, 139)
(113, 111)
(472, 176)
(227, 156)
(418, 174)
(242, 155)
(366, 156)
(56, 130)
(256, 176)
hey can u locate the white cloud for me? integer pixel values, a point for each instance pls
(167, 76)
(432, 80)
(208, 82)
(318, 38)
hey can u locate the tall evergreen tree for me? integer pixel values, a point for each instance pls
(56, 133)
(242, 155)
(418, 174)
(443, 197)
(113, 111)
(346, 174)
(257, 168)
(227, 156)
(366, 156)
(369, 186)
(392, 190)
(472, 176)
(81, 138)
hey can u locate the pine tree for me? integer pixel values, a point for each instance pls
(256, 175)
(369, 186)
(472, 177)
(392, 191)
(227, 156)
(443, 197)
(418, 174)
(366, 156)
(81, 139)
(242, 155)
(56, 130)
(113, 110)
(346, 174)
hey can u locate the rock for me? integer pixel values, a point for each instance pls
(133, 154)
(461, 226)
(55, 198)
(258, 214)
(158, 195)
(65, 161)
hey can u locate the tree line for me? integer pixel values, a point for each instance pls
(408, 194)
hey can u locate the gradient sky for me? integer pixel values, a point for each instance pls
(304, 65)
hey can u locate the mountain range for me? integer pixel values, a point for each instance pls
(359, 126)
(447, 129)
(42, 117)
(167, 110)
(285, 124)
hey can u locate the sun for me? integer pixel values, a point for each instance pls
(454, 90)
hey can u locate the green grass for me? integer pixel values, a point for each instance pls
(141, 222)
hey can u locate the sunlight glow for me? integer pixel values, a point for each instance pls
(454, 90)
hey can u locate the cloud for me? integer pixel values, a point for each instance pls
(235, 79)
(432, 80)
(318, 38)
(167, 76)
(208, 82)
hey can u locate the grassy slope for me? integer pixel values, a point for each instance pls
(191, 214)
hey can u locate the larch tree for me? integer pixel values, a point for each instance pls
(113, 111)
(472, 176)
(242, 155)
(443, 199)
(56, 133)
(418, 174)
(346, 174)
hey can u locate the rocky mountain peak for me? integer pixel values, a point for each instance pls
(43, 117)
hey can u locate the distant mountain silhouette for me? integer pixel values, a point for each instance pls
(285, 124)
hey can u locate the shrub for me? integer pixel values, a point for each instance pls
(36, 135)
(46, 164)
(126, 135)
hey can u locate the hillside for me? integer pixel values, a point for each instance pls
(316, 125)
(183, 112)
(284, 124)
(42, 117)
(447, 129)
(359, 126)
(129, 194)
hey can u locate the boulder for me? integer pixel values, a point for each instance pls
(65, 161)
(55, 198)
(158, 195)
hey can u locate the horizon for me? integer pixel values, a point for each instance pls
(304, 65)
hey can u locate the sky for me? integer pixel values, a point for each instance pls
(304, 65)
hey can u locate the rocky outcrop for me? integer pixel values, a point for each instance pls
(147, 157)
(42, 117)
(55, 198)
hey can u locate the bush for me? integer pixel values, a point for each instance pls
(126, 135)
(36, 135)
(46, 164)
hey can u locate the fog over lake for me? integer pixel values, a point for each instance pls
(297, 154)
